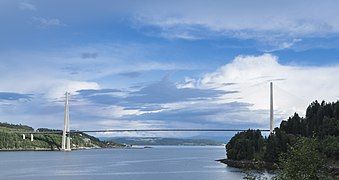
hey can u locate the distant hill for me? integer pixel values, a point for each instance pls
(163, 141)
(217, 138)
(14, 141)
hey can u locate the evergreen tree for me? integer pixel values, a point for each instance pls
(246, 145)
(277, 143)
(336, 110)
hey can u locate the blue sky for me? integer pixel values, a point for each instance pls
(165, 64)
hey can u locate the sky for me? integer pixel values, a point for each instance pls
(165, 64)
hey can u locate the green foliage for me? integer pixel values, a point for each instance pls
(304, 141)
(11, 141)
(330, 126)
(85, 140)
(14, 141)
(46, 129)
(7, 126)
(250, 145)
(321, 120)
(292, 125)
(246, 145)
(254, 175)
(302, 161)
(329, 146)
(336, 111)
(277, 143)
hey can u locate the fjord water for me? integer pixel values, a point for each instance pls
(160, 162)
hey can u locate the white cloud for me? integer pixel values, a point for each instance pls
(48, 74)
(47, 22)
(188, 83)
(112, 59)
(27, 6)
(294, 86)
(57, 88)
(284, 45)
(274, 22)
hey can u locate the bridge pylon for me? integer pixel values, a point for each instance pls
(271, 109)
(66, 139)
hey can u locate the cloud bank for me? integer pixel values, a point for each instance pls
(294, 86)
(236, 95)
(277, 24)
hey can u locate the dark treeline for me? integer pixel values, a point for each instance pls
(321, 124)
(15, 126)
(321, 120)
(47, 130)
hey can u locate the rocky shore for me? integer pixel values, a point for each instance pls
(249, 164)
(260, 165)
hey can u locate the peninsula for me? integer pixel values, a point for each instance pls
(314, 137)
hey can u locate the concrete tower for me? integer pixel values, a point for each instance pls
(66, 141)
(271, 109)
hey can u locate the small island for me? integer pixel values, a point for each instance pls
(10, 141)
(300, 146)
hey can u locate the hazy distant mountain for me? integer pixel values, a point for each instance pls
(163, 141)
(219, 139)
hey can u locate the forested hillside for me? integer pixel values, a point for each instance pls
(14, 141)
(320, 126)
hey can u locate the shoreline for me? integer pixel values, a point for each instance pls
(260, 165)
(49, 149)
(42, 149)
(245, 164)
(75, 149)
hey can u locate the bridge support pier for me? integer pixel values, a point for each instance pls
(66, 136)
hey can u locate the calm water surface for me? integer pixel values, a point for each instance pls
(158, 163)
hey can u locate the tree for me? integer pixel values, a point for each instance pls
(277, 143)
(330, 126)
(336, 110)
(248, 145)
(329, 146)
(302, 161)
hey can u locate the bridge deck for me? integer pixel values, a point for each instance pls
(139, 130)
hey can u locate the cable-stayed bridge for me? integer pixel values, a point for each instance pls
(66, 132)
(139, 130)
